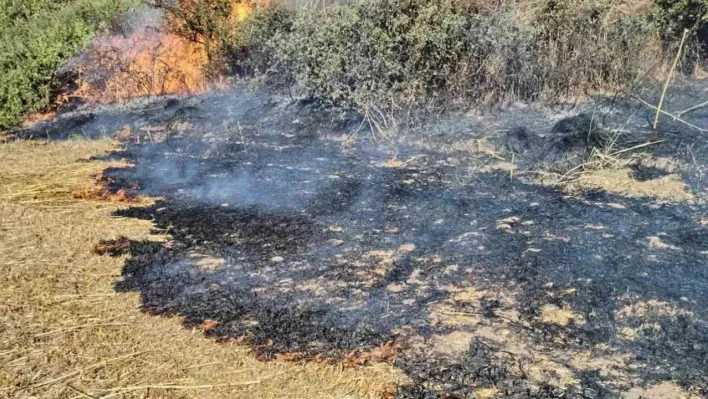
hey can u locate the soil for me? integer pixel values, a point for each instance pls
(488, 284)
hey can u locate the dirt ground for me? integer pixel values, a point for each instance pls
(66, 333)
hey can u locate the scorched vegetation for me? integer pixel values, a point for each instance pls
(534, 251)
(382, 56)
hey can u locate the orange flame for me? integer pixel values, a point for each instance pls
(148, 62)
(144, 63)
(240, 11)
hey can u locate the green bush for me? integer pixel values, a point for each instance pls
(589, 44)
(395, 54)
(676, 15)
(36, 37)
(381, 52)
(248, 49)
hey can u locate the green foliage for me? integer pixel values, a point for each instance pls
(676, 15)
(36, 37)
(198, 20)
(248, 49)
(394, 54)
(377, 51)
(589, 43)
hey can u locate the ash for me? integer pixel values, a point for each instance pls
(287, 236)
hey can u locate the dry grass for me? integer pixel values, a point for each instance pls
(619, 181)
(64, 331)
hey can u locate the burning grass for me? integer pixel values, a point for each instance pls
(37, 172)
(67, 333)
(115, 247)
(101, 191)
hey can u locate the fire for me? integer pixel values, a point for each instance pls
(38, 117)
(141, 64)
(102, 192)
(240, 11)
(113, 247)
(148, 61)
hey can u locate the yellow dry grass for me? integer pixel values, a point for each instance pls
(64, 331)
(668, 188)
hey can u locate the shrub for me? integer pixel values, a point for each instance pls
(200, 21)
(248, 49)
(675, 16)
(400, 53)
(396, 54)
(590, 44)
(35, 39)
(384, 52)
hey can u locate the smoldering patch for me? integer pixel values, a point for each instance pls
(308, 249)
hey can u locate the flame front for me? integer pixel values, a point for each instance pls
(142, 64)
(149, 61)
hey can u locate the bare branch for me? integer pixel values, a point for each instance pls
(695, 107)
(674, 117)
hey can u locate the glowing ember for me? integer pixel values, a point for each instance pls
(38, 117)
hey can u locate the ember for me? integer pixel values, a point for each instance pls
(113, 247)
(102, 192)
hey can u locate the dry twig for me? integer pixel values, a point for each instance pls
(668, 79)
(695, 107)
(674, 117)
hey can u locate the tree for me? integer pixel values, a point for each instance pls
(200, 21)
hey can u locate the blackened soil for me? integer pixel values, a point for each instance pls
(328, 249)
(295, 240)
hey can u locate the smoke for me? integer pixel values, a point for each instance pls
(237, 185)
(139, 57)
(334, 245)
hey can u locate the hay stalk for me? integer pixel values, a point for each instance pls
(668, 78)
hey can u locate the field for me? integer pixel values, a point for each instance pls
(398, 199)
(294, 253)
(66, 333)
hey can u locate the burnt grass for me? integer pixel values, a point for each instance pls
(326, 249)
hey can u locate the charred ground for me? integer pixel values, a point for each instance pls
(290, 237)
